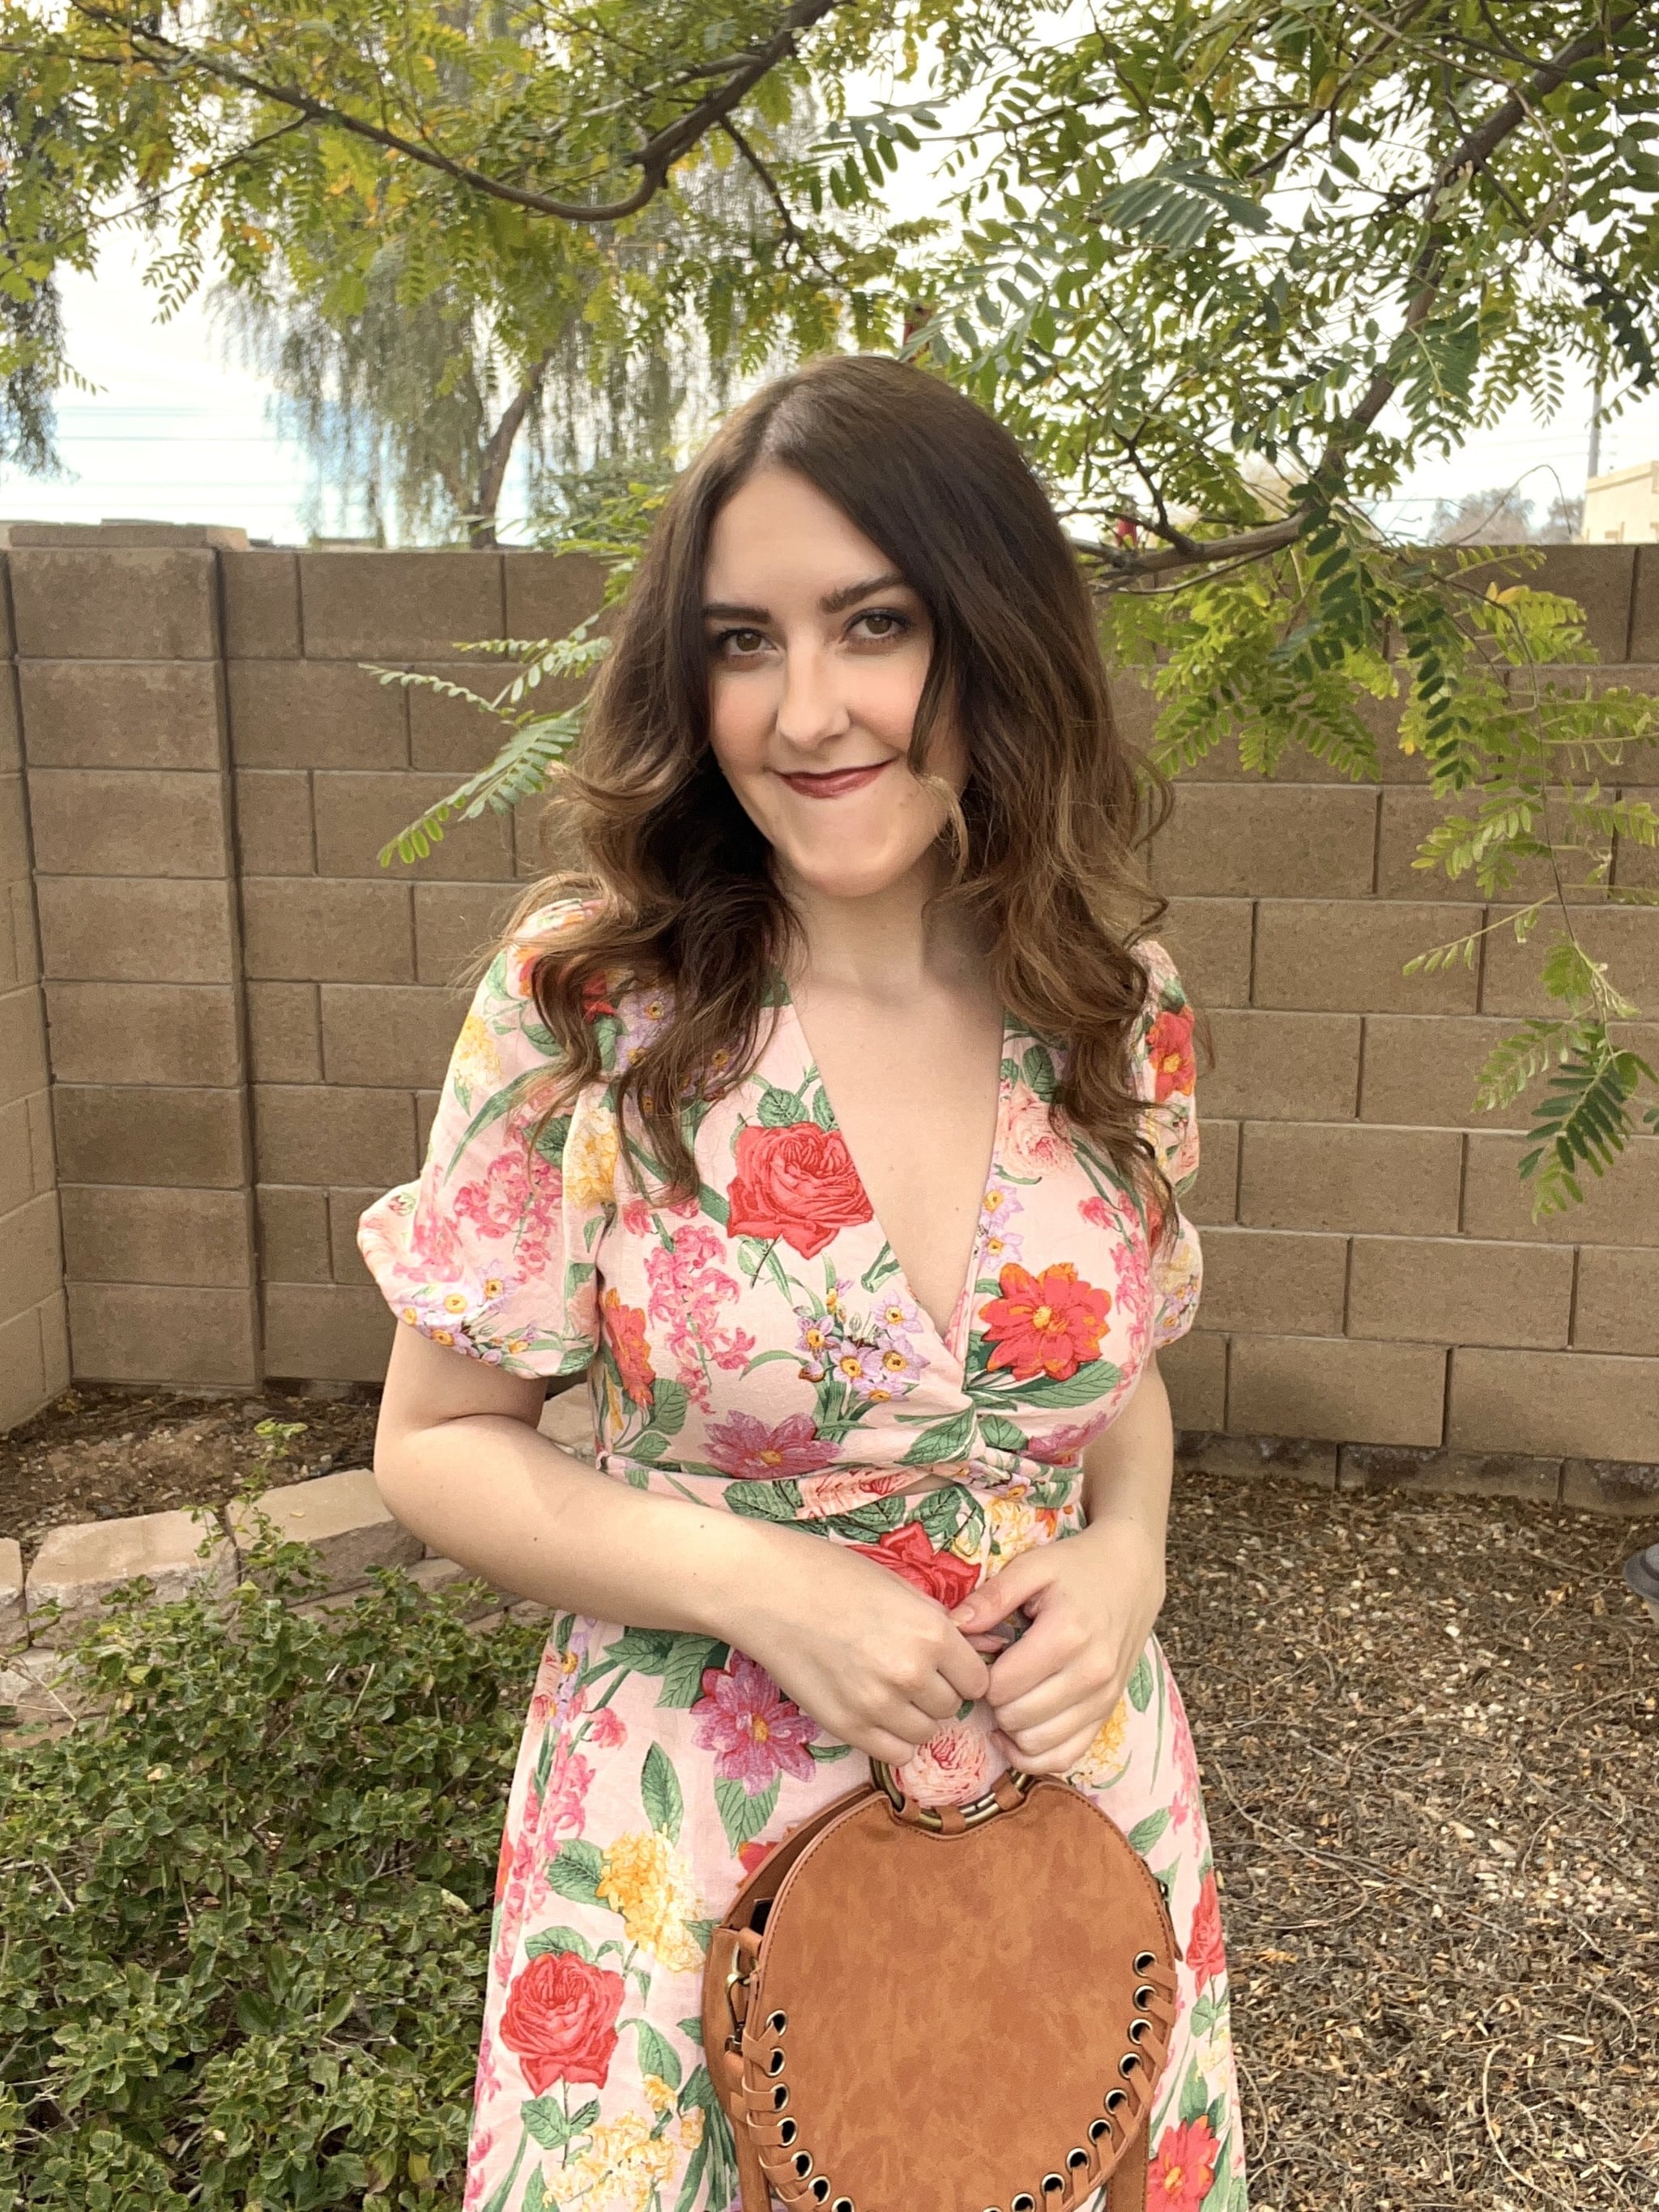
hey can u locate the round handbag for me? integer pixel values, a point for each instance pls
(961, 2009)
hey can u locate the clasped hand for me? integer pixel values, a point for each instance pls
(882, 1665)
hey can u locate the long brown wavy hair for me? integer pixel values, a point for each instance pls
(1042, 845)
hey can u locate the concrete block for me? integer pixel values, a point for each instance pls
(133, 929)
(1306, 1176)
(122, 713)
(163, 1333)
(261, 592)
(273, 822)
(24, 1067)
(43, 1149)
(340, 1518)
(1337, 1391)
(1571, 1405)
(14, 1612)
(78, 1567)
(457, 927)
(301, 930)
(1617, 1308)
(1373, 1468)
(109, 603)
(324, 1134)
(53, 1317)
(31, 1255)
(201, 1238)
(322, 1332)
(292, 1234)
(23, 1385)
(1621, 1208)
(1605, 1486)
(172, 1033)
(1458, 1290)
(1603, 579)
(1348, 956)
(45, 1694)
(358, 814)
(1194, 1371)
(1209, 941)
(1283, 1067)
(388, 1033)
(441, 1578)
(1299, 1459)
(128, 822)
(397, 606)
(307, 714)
(1267, 841)
(549, 594)
(455, 736)
(20, 941)
(346, 1209)
(1422, 1070)
(1636, 865)
(1644, 608)
(1273, 1282)
(1214, 1193)
(284, 1033)
(1625, 937)
(149, 1134)
(16, 1166)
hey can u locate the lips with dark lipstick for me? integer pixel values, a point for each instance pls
(835, 781)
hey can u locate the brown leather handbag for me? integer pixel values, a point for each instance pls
(920, 2009)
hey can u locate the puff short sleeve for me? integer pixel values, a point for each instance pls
(492, 1250)
(1164, 1070)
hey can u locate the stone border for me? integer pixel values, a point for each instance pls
(1627, 1488)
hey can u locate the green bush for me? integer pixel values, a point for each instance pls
(246, 1918)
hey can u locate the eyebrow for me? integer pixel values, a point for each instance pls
(833, 603)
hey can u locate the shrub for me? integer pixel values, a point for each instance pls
(246, 1916)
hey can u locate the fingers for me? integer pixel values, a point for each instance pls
(964, 1670)
(1005, 1591)
(1069, 1752)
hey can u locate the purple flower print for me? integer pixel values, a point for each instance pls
(746, 1448)
(816, 1344)
(753, 1731)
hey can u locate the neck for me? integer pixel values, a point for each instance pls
(883, 944)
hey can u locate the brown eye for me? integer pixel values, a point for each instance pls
(895, 624)
(746, 641)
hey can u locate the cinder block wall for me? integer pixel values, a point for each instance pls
(249, 1020)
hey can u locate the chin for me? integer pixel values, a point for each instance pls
(855, 874)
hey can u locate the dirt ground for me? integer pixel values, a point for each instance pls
(1430, 1736)
(97, 1454)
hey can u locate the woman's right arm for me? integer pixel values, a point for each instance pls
(458, 1459)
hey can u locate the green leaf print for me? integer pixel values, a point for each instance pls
(1001, 1434)
(764, 1501)
(557, 1939)
(944, 1511)
(639, 1651)
(693, 2181)
(659, 1793)
(713, 1203)
(535, 2197)
(585, 2118)
(544, 2117)
(949, 1439)
(682, 1676)
(1038, 1068)
(702, 1932)
(1206, 2012)
(822, 1112)
(650, 1444)
(778, 1108)
(1145, 1833)
(742, 1816)
(657, 2054)
(1140, 1684)
(1195, 2096)
(669, 1400)
(824, 1752)
(1095, 1379)
(574, 1871)
(864, 1521)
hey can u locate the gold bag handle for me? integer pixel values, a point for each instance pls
(1006, 1794)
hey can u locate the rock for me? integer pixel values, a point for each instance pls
(342, 1517)
(80, 1565)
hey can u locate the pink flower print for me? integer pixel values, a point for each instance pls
(745, 1446)
(1060, 1445)
(608, 1728)
(687, 1291)
(565, 1810)
(477, 2158)
(515, 1893)
(755, 1732)
(433, 1241)
(953, 1767)
(846, 1490)
(1029, 1137)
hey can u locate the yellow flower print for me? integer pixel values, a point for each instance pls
(477, 1063)
(622, 2167)
(590, 1160)
(1103, 1762)
(1012, 1521)
(455, 1301)
(658, 2091)
(691, 2128)
(649, 1881)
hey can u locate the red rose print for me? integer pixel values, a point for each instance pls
(798, 1183)
(1205, 1953)
(1183, 2166)
(560, 2020)
(936, 1574)
(624, 1332)
(1169, 1049)
(1046, 1324)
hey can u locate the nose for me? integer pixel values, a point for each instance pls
(811, 709)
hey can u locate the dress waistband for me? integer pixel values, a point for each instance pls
(837, 1492)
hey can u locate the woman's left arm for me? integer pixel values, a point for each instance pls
(1091, 1601)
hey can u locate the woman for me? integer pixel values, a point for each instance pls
(830, 1124)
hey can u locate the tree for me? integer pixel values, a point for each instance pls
(1503, 515)
(1228, 268)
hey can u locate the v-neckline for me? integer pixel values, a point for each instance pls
(951, 1339)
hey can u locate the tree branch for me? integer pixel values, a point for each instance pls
(655, 158)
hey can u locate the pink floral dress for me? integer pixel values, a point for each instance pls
(757, 1349)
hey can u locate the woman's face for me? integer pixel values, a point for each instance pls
(817, 653)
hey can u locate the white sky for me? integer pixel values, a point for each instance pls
(175, 430)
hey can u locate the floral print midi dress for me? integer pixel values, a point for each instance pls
(756, 1349)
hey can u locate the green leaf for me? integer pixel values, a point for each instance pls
(682, 1676)
(780, 1109)
(658, 2055)
(1141, 1685)
(659, 1793)
(574, 1871)
(764, 1501)
(1195, 2095)
(742, 1816)
(945, 1440)
(544, 2117)
(584, 2116)
(1145, 1833)
(669, 1402)
(1001, 1434)
(557, 1939)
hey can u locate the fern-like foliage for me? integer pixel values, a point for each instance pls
(1584, 1119)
